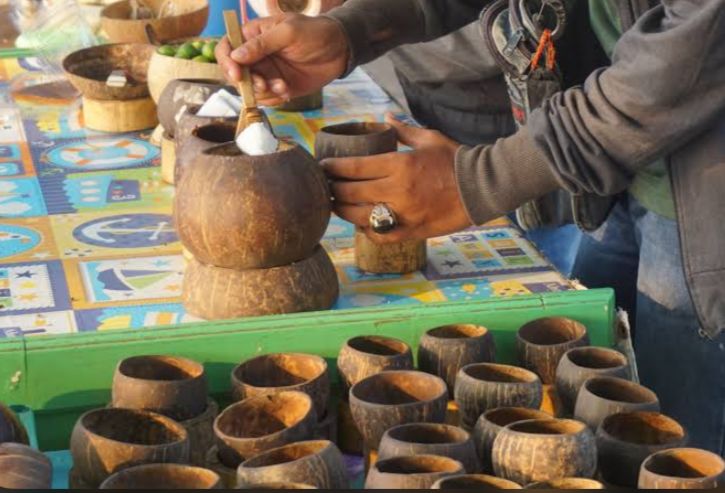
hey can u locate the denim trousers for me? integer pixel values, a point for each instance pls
(637, 252)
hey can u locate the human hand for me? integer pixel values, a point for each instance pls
(419, 186)
(289, 55)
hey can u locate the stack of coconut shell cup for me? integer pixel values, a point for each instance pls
(253, 225)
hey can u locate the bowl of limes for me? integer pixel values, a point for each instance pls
(189, 59)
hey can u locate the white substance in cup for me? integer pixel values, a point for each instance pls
(220, 104)
(257, 140)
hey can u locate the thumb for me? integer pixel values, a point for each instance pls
(410, 136)
(267, 42)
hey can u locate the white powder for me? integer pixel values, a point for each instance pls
(256, 140)
(220, 104)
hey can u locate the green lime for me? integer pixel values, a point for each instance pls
(208, 50)
(167, 50)
(198, 44)
(187, 51)
(200, 58)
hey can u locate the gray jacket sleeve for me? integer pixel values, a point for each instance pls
(374, 27)
(665, 86)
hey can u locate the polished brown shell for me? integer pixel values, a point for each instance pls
(22, 467)
(120, 28)
(163, 477)
(252, 212)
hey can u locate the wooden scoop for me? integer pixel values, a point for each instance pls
(250, 112)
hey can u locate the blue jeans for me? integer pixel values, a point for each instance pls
(637, 252)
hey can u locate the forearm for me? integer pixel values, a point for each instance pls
(374, 27)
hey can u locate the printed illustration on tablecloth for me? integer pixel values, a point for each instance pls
(102, 234)
(50, 323)
(475, 252)
(110, 281)
(133, 317)
(388, 294)
(21, 197)
(95, 154)
(56, 123)
(27, 239)
(11, 132)
(107, 190)
(32, 287)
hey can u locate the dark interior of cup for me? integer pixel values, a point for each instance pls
(280, 370)
(617, 389)
(163, 476)
(596, 358)
(417, 464)
(428, 433)
(381, 346)
(132, 426)
(460, 331)
(217, 132)
(356, 128)
(287, 453)
(504, 416)
(685, 463)
(260, 416)
(644, 428)
(476, 482)
(492, 372)
(551, 331)
(292, 6)
(395, 388)
(165, 368)
(548, 427)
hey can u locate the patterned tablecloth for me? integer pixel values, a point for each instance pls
(87, 242)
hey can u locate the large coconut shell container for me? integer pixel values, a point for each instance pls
(252, 212)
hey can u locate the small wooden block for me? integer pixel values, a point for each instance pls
(119, 116)
(371, 457)
(348, 437)
(550, 402)
(393, 258)
(453, 414)
(168, 158)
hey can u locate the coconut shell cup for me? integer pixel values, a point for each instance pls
(88, 70)
(11, 429)
(263, 422)
(490, 424)
(480, 482)
(170, 385)
(280, 372)
(163, 477)
(625, 440)
(410, 472)
(195, 135)
(567, 484)
(443, 351)
(430, 439)
(252, 212)
(579, 364)
(180, 19)
(182, 94)
(164, 69)
(391, 398)
(363, 356)
(317, 463)
(544, 449)
(600, 397)
(541, 343)
(278, 486)
(682, 468)
(22, 467)
(305, 286)
(484, 386)
(105, 441)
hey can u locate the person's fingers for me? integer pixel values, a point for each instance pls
(407, 135)
(272, 101)
(360, 168)
(358, 215)
(359, 192)
(266, 43)
(260, 84)
(231, 69)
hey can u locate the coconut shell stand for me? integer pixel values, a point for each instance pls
(108, 108)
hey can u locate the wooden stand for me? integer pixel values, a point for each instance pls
(393, 258)
(168, 158)
(119, 116)
(305, 103)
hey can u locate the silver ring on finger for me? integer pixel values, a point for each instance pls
(382, 219)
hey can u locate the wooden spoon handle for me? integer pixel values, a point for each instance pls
(236, 38)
